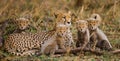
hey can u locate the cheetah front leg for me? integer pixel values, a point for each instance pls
(61, 43)
(52, 53)
(94, 46)
(29, 53)
(84, 45)
(93, 42)
(25, 53)
(86, 40)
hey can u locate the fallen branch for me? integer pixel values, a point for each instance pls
(76, 50)
(115, 51)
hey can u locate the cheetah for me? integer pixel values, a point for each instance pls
(83, 34)
(29, 43)
(97, 37)
(59, 41)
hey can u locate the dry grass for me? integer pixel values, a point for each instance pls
(42, 13)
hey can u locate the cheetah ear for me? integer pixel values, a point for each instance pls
(56, 14)
(28, 16)
(89, 19)
(16, 21)
(95, 17)
(76, 23)
(69, 12)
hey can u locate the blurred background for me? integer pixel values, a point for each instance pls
(42, 13)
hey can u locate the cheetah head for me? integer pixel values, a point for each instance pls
(63, 18)
(22, 23)
(61, 30)
(81, 25)
(94, 21)
(93, 24)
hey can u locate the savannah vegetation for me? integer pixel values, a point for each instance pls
(43, 15)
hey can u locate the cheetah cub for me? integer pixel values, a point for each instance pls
(97, 37)
(58, 42)
(83, 34)
(22, 24)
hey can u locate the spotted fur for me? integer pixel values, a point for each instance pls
(29, 43)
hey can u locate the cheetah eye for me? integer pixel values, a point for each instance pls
(64, 17)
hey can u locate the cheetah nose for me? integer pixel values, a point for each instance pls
(80, 29)
(68, 22)
(22, 28)
(92, 27)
